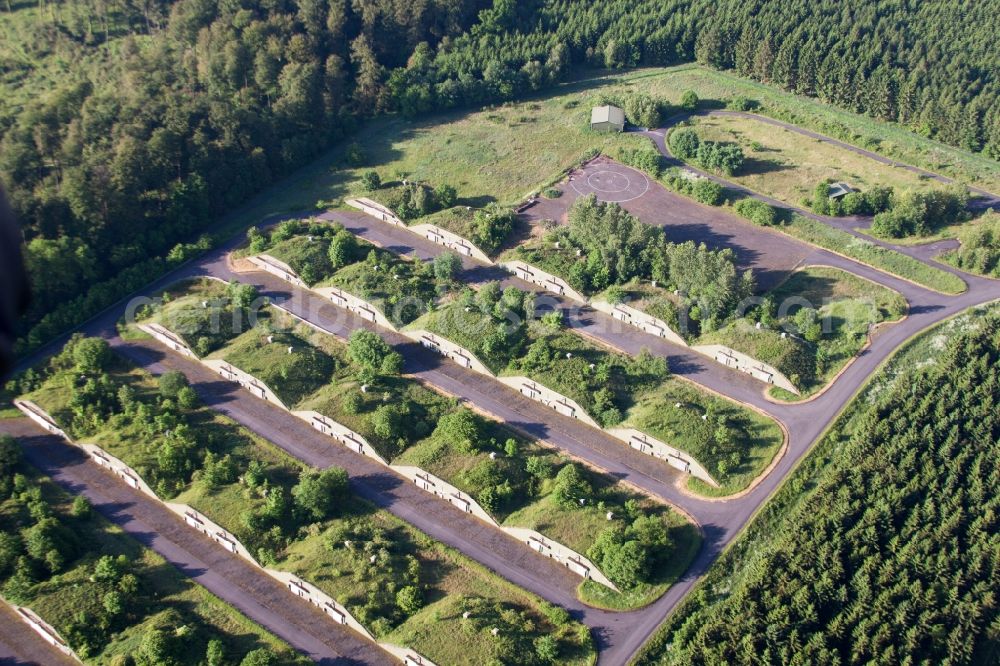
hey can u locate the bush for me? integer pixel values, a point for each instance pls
(643, 159)
(684, 143)
(540, 467)
(446, 196)
(642, 110)
(689, 100)
(741, 103)
(491, 227)
(461, 429)
(368, 350)
(707, 191)
(446, 266)
(355, 154)
(371, 181)
(757, 211)
(570, 486)
(922, 213)
(726, 158)
(91, 354)
(409, 599)
(318, 493)
(170, 383)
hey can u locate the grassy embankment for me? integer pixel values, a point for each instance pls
(734, 443)
(249, 487)
(409, 424)
(107, 618)
(846, 308)
(867, 252)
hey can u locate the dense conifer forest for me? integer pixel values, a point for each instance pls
(892, 555)
(126, 127)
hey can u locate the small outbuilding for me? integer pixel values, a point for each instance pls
(838, 190)
(607, 119)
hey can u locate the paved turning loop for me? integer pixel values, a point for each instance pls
(610, 182)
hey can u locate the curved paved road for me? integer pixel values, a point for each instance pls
(851, 223)
(619, 635)
(805, 422)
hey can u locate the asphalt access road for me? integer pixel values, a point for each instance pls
(621, 635)
(852, 224)
(227, 576)
(721, 519)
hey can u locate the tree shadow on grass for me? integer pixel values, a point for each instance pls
(476, 202)
(753, 166)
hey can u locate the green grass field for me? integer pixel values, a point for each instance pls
(788, 165)
(889, 139)
(504, 153)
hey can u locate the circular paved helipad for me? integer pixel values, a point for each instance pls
(611, 182)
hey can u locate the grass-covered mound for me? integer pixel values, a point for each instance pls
(792, 356)
(734, 443)
(327, 255)
(603, 246)
(825, 315)
(488, 228)
(846, 306)
(308, 256)
(397, 581)
(654, 301)
(312, 248)
(605, 384)
(108, 596)
(401, 289)
(204, 313)
(283, 360)
(523, 484)
(490, 323)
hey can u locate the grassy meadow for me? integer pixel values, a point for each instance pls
(787, 165)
